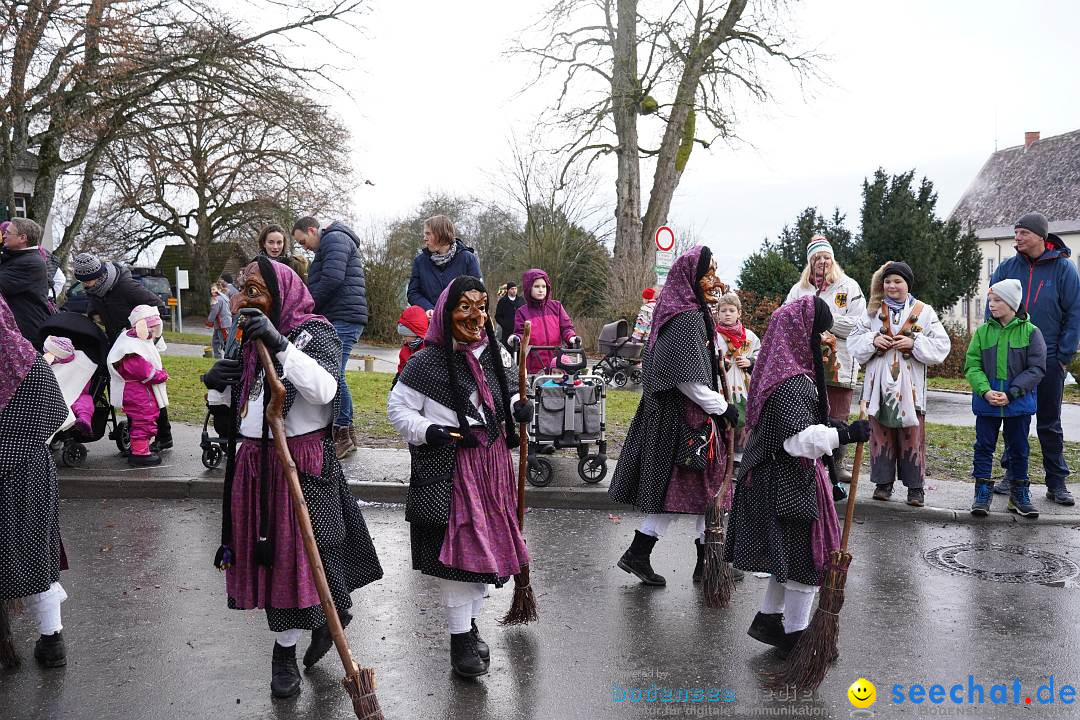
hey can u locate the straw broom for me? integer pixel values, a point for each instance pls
(523, 609)
(359, 682)
(816, 649)
(718, 582)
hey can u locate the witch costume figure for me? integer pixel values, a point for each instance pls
(680, 400)
(783, 521)
(32, 409)
(453, 405)
(262, 551)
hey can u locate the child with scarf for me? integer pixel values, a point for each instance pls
(738, 347)
(454, 405)
(783, 521)
(895, 340)
(262, 551)
(138, 381)
(412, 327)
(680, 397)
(1005, 363)
(74, 370)
(32, 409)
(550, 323)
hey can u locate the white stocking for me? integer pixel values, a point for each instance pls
(773, 602)
(798, 599)
(288, 638)
(46, 608)
(459, 599)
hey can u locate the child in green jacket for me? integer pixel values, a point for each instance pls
(1005, 362)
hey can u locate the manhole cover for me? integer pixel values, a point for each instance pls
(1002, 563)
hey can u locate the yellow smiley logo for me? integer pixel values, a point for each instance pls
(862, 693)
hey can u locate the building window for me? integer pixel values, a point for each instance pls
(22, 203)
(989, 268)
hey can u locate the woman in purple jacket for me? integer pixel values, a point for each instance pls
(550, 323)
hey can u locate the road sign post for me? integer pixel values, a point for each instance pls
(181, 284)
(665, 253)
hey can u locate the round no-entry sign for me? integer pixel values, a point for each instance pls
(665, 238)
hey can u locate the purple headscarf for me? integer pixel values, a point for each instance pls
(679, 293)
(16, 354)
(785, 353)
(295, 307)
(436, 335)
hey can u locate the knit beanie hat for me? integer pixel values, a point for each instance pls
(648, 294)
(59, 347)
(1035, 222)
(903, 270)
(1010, 291)
(88, 267)
(144, 312)
(818, 243)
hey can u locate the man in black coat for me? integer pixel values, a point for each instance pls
(24, 280)
(113, 293)
(505, 311)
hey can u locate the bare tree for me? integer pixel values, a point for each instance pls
(74, 74)
(681, 62)
(205, 164)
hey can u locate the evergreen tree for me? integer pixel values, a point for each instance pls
(899, 223)
(767, 273)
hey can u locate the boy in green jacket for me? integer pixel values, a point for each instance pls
(1005, 362)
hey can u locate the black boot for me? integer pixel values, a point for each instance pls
(285, 675)
(321, 641)
(787, 642)
(636, 560)
(768, 628)
(464, 658)
(164, 437)
(482, 648)
(699, 566)
(49, 650)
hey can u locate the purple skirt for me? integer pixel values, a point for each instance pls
(288, 583)
(691, 492)
(483, 534)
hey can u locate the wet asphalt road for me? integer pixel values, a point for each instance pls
(149, 635)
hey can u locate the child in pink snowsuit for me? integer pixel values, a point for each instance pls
(70, 367)
(550, 323)
(138, 381)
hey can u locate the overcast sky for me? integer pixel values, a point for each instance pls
(923, 84)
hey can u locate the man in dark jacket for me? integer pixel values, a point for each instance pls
(24, 279)
(112, 294)
(336, 282)
(505, 311)
(1051, 298)
(443, 258)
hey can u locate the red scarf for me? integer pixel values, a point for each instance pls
(735, 335)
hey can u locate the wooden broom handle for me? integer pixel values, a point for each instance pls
(523, 428)
(856, 464)
(276, 420)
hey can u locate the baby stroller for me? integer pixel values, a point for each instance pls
(568, 412)
(217, 412)
(87, 337)
(622, 356)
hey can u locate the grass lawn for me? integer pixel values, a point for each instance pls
(948, 447)
(186, 338)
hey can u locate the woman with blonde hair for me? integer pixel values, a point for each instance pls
(443, 258)
(824, 278)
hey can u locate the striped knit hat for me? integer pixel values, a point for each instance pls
(818, 243)
(87, 267)
(59, 347)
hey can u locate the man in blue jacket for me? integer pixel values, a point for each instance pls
(1051, 296)
(336, 282)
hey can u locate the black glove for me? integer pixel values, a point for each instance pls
(258, 327)
(437, 435)
(523, 411)
(729, 418)
(222, 374)
(856, 432)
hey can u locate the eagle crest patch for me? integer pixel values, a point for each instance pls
(841, 300)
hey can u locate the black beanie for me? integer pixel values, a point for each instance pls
(903, 270)
(1035, 222)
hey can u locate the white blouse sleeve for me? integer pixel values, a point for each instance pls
(404, 408)
(705, 397)
(813, 442)
(311, 379)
